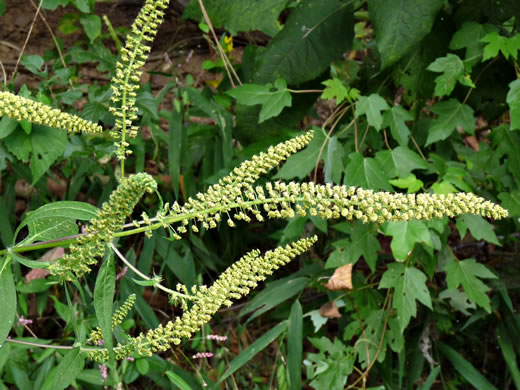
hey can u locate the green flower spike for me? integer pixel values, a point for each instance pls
(21, 108)
(110, 219)
(129, 71)
(96, 337)
(234, 283)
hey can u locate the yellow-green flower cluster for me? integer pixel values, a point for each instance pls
(233, 283)
(20, 108)
(96, 337)
(110, 219)
(129, 70)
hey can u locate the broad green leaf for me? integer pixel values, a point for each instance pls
(302, 163)
(295, 346)
(509, 46)
(506, 345)
(55, 220)
(69, 368)
(178, 381)
(272, 98)
(396, 118)
(409, 286)
(7, 297)
(365, 172)
(274, 294)
(92, 25)
(406, 160)
(336, 90)
(511, 201)
(467, 273)
(240, 15)
(406, 235)
(45, 153)
(247, 354)
(479, 228)
(372, 106)
(465, 368)
(452, 69)
(103, 298)
(513, 100)
(316, 33)
(451, 113)
(410, 183)
(400, 25)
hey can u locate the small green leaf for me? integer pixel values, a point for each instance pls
(295, 346)
(509, 46)
(409, 286)
(365, 172)
(7, 297)
(103, 299)
(272, 98)
(513, 100)
(336, 90)
(69, 368)
(406, 160)
(372, 106)
(406, 235)
(451, 113)
(396, 118)
(470, 373)
(7, 126)
(410, 183)
(92, 26)
(34, 64)
(142, 366)
(479, 228)
(467, 273)
(247, 354)
(452, 69)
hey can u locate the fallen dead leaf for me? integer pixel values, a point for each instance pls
(341, 279)
(330, 310)
(39, 273)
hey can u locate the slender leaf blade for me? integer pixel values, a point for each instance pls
(7, 297)
(103, 299)
(295, 346)
(69, 368)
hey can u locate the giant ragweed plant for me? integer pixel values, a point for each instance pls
(234, 198)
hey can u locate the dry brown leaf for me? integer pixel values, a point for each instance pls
(330, 310)
(472, 141)
(39, 273)
(341, 279)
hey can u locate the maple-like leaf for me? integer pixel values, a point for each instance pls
(409, 286)
(372, 106)
(509, 46)
(467, 273)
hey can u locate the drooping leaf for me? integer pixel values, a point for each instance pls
(295, 346)
(298, 53)
(69, 368)
(400, 25)
(396, 118)
(409, 286)
(55, 220)
(479, 228)
(406, 235)
(451, 113)
(240, 15)
(103, 298)
(513, 100)
(7, 297)
(467, 273)
(365, 172)
(272, 98)
(372, 106)
(247, 354)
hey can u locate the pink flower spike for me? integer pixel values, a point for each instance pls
(201, 355)
(216, 337)
(104, 371)
(24, 321)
